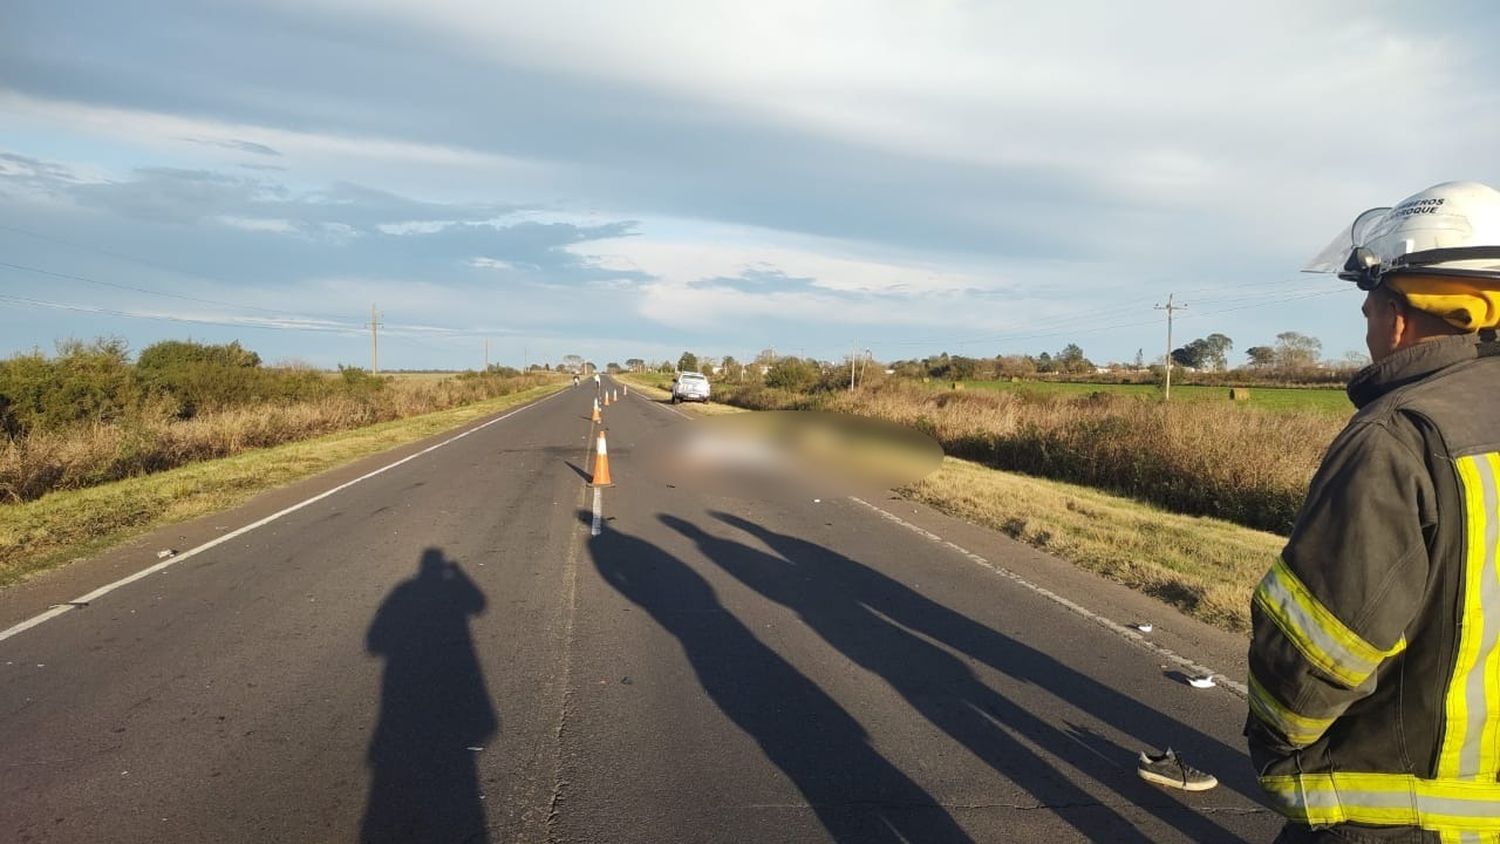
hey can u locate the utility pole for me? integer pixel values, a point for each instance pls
(853, 354)
(374, 341)
(1169, 308)
(486, 354)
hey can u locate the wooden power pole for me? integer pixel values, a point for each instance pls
(374, 341)
(1169, 308)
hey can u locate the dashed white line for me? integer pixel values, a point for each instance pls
(146, 572)
(598, 513)
(1113, 626)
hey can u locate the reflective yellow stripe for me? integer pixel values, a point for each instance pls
(1300, 730)
(1316, 631)
(1450, 806)
(1471, 706)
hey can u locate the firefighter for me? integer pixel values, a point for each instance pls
(1375, 650)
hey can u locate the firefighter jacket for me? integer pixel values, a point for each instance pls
(1375, 650)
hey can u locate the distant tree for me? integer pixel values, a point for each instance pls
(1295, 350)
(589, 366)
(732, 369)
(1014, 366)
(613, 368)
(687, 363)
(635, 364)
(1356, 360)
(572, 363)
(1140, 358)
(1261, 357)
(1071, 359)
(791, 373)
(961, 368)
(1044, 363)
(1209, 352)
(665, 366)
(1216, 350)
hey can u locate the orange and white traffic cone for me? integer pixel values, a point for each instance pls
(606, 398)
(627, 389)
(614, 396)
(601, 464)
(596, 412)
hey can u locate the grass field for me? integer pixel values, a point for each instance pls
(1332, 401)
(38, 535)
(1205, 567)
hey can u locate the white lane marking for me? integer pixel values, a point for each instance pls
(667, 407)
(1114, 627)
(598, 512)
(172, 561)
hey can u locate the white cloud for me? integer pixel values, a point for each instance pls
(162, 130)
(484, 263)
(253, 224)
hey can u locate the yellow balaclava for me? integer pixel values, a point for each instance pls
(1471, 304)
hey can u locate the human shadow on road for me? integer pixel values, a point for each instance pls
(857, 794)
(434, 707)
(900, 634)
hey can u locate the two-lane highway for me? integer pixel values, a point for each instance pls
(444, 652)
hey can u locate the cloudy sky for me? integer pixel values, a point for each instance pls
(635, 179)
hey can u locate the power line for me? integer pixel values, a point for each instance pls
(135, 289)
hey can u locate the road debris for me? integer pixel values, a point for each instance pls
(1202, 682)
(1170, 770)
(165, 553)
(1143, 626)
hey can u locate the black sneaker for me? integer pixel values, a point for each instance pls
(1169, 770)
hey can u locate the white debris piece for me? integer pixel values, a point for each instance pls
(1202, 682)
(165, 553)
(1144, 627)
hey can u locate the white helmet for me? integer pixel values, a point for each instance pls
(1450, 229)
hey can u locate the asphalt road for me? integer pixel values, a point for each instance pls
(445, 652)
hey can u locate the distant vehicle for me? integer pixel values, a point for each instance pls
(689, 386)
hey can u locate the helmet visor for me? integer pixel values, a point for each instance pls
(1333, 256)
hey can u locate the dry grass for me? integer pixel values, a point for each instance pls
(1205, 567)
(77, 458)
(1237, 463)
(41, 534)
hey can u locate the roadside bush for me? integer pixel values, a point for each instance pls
(791, 373)
(83, 383)
(86, 416)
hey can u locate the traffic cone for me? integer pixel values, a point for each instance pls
(596, 412)
(614, 396)
(601, 464)
(627, 389)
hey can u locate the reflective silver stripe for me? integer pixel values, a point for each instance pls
(1328, 653)
(1475, 807)
(1489, 600)
(1451, 806)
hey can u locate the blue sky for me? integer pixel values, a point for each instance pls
(635, 179)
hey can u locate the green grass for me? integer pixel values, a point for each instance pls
(1205, 567)
(1332, 401)
(60, 527)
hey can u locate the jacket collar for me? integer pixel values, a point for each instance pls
(1411, 365)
